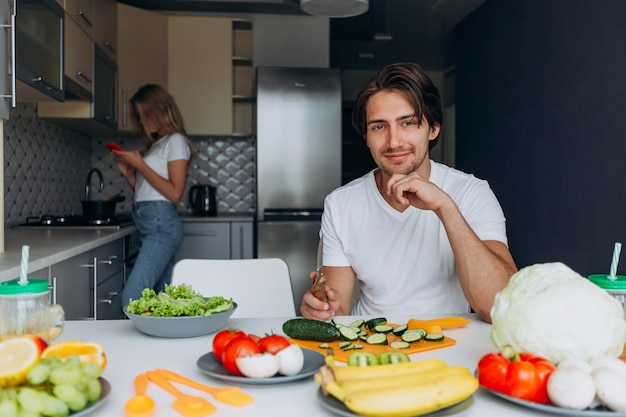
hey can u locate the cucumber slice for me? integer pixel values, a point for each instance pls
(399, 344)
(362, 359)
(383, 328)
(411, 337)
(434, 337)
(386, 358)
(357, 323)
(348, 347)
(398, 330)
(344, 344)
(377, 339)
(371, 323)
(357, 346)
(348, 333)
(324, 346)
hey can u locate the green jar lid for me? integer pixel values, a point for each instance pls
(33, 286)
(603, 281)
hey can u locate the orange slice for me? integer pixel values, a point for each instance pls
(17, 356)
(87, 352)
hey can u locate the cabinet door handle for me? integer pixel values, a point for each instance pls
(108, 300)
(112, 259)
(85, 18)
(53, 290)
(124, 107)
(109, 47)
(82, 75)
(42, 81)
(209, 233)
(13, 95)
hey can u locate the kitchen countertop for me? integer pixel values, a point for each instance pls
(221, 217)
(50, 246)
(130, 352)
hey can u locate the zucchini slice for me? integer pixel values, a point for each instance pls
(411, 337)
(344, 344)
(399, 344)
(434, 337)
(357, 323)
(348, 333)
(377, 339)
(324, 345)
(398, 330)
(383, 328)
(371, 323)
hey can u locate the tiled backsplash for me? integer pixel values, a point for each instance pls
(46, 167)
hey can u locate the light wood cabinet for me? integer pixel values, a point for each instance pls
(200, 72)
(105, 27)
(82, 12)
(243, 76)
(142, 54)
(78, 58)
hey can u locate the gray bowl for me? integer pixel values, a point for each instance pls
(186, 326)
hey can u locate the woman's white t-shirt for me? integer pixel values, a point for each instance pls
(169, 148)
(403, 260)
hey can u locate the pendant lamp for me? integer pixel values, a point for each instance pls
(334, 8)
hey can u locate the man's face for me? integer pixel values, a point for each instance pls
(399, 145)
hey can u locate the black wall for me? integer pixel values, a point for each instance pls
(541, 115)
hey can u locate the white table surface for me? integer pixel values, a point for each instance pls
(130, 352)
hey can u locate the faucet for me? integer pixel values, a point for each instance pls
(88, 181)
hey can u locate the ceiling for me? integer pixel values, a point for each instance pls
(390, 31)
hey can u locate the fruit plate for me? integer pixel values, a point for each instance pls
(334, 405)
(106, 390)
(209, 365)
(596, 412)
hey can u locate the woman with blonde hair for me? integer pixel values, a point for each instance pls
(157, 174)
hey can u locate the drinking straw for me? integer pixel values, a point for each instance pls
(24, 265)
(616, 251)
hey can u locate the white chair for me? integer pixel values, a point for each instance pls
(260, 287)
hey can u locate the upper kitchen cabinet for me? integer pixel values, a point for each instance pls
(210, 73)
(83, 13)
(78, 62)
(105, 30)
(142, 54)
(39, 50)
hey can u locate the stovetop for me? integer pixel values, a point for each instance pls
(73, 221)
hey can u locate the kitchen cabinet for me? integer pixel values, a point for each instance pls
(70, 281)
(141, 55)
(216, 240)
(78, 60)
(82, 12)
(210, 73)
(105, 27)
(107, 280)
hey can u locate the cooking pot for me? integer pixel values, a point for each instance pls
(101, 209)
(202, 200)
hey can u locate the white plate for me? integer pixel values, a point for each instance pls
(312, 362)
(106, 390)
(557, 410)
(334, 405)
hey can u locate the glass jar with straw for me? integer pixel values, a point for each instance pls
(25, 307)
(614, 284)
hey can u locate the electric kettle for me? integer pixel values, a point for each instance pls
(202, 200)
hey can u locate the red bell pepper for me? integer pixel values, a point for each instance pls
(523, 375)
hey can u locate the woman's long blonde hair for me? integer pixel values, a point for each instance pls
(154, 100)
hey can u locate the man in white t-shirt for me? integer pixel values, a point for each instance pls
(420, 237)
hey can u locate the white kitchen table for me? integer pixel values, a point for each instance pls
(130, 352)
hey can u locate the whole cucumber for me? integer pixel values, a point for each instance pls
(306, 329)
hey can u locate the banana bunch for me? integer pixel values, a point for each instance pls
(397, 390)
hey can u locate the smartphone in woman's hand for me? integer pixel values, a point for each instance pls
(112, 146)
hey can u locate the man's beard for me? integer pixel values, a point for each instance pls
(412, 167)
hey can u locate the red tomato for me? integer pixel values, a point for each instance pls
(235, 348)
(273, 343)
(220, 340)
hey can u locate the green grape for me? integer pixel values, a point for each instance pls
(93, 390)
(38, 374)
(78, 403)
(51, 361)
(25, 413)
(53, 407)
(8, 408)
(72, 361)
(64, 392)
(92, 370)
(30, 400)
(66, 375)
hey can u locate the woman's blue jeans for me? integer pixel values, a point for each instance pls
(161, 233)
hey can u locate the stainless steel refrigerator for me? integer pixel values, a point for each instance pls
(298, 163)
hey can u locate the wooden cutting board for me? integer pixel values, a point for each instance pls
(342, 356)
